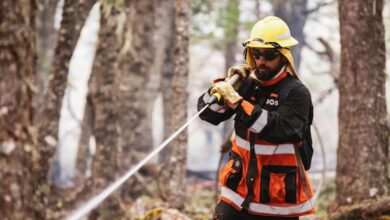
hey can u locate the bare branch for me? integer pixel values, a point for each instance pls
(318, 7)
(328, 49)
(333, 58)
(324, 95)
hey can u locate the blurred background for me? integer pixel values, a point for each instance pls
(89, 88)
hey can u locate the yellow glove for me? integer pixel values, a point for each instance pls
(227, 92)
(243, 70)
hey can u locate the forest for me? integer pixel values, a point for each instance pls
(103, 96)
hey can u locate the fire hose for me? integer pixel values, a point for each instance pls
(99, 198)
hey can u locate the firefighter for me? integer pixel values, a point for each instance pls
(264, 177)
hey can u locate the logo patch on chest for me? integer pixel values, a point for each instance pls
(272, 100)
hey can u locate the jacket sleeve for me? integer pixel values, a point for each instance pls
(215, 113)
(287, 124)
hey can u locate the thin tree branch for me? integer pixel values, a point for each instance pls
(324, 95)
(333, 58)
(318, 7)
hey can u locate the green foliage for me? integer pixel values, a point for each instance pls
(230, 19)
(201, 6)
(109, 2)
(200, 204)
(247, 26)
(119, 4)
(202, 11)
(327, 195)
(215, 21)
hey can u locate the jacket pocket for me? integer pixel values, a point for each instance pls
(231, 174)
(278, 185)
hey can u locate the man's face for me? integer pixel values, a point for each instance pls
(268, 62)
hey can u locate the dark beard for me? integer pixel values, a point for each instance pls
(268, 74)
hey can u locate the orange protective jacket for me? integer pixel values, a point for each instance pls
(262, 174)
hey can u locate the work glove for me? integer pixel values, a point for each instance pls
(227, 92)
(243, 70)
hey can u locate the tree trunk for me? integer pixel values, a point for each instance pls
(362, 154)
(231, 23)
(135, 65)
(230, 27)
(294, 14)
(257, 9)
(47, 37)
(47, 34)
(162, 31)
(73, 17)
(166, 79)
(177, 167)
(18, 156)
(105, 101)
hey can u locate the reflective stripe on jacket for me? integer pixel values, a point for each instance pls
(262, 173)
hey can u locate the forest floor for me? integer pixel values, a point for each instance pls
(202, 199)
(201, 204)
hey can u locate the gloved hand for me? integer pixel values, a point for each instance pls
(227, 92)
(243, 70)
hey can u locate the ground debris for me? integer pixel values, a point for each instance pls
(369, 209)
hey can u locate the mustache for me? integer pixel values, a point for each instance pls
(262, 67)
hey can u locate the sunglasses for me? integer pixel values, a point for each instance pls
(269, 56)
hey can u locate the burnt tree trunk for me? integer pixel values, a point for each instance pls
(135, 65)
(294, 14)
(166, 79)
(362, 154)
(73, 17)
(18, 156)
(178, 159)
(47, 34)
(47, 37)
(105, 102)
(162, 31)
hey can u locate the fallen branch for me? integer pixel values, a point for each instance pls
(369, 209)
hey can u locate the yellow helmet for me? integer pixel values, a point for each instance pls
(270, 32)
